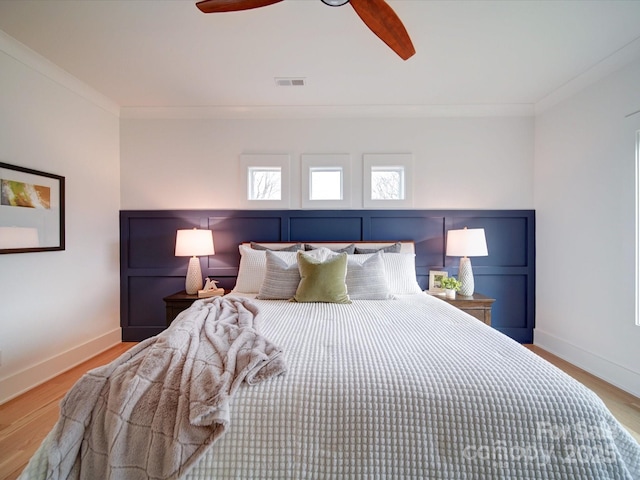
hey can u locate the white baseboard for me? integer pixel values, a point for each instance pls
(21, 382)
(617, 375)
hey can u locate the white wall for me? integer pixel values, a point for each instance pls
(584, 200)
(58, 308)
(477, 162)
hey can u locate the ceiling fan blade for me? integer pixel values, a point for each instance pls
(383, 21)
(217, 6)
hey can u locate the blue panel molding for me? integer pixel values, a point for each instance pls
(149, 270)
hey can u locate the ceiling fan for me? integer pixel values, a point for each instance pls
(376, 14)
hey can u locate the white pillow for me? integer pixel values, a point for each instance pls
(321, 254)
(253, 266)
(281, 278)
(366, 277)
(401, 273)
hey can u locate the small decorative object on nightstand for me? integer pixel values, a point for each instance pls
(476, 305)
(451, 286)
(210, 289)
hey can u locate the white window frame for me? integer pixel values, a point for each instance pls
(281, 161)
(373, 160)
(340, 161)
(637, 209)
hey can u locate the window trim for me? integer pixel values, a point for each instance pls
(310, 161)
(281, 161)
(404, 160)
(637, 211)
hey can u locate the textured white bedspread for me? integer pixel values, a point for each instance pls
(412, 388)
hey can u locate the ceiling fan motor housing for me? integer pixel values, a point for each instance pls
(334, 3)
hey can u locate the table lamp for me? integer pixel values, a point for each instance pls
(468, 242)
(194, 243)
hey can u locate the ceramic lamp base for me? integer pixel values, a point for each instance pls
(193, 282)
(465, 275)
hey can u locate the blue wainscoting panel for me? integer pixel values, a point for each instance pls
(145, 312)
(229, 231)
(507, 239)
(152, 242)
(426, 232)
(509, 312)
(149, 270)
(324, 228)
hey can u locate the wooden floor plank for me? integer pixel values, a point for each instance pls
(26, 420)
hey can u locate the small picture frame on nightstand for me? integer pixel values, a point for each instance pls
(435, 277)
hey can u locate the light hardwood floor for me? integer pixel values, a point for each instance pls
(25, 420)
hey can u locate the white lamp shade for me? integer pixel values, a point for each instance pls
(194, 243)
(19, 237)
(468, 242)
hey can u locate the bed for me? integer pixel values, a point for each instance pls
(393, 383)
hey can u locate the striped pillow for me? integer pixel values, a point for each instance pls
(366, 277)
(253, 266)
(281, 278)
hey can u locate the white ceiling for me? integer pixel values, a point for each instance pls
(166, 53)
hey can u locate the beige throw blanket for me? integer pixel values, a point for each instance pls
(151, 413)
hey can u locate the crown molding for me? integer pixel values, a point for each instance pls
(608, 65)
(23, 54)
(326, 111)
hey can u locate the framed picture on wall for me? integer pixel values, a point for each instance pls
(31, 210)
(435, 277)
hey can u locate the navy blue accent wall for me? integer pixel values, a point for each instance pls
(149, 270)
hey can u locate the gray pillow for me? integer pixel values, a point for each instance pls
(280, 279)
(395, 248)
(367, 280)
(349, 249)
(292, 248)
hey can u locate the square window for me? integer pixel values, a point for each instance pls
(387, 183)
(387, 180)
(326, 179)
(265, 180)
(265, 183)
(326, 183)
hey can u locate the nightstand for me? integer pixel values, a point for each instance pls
(476, 305)
(177, 303)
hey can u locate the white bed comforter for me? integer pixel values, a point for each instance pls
(412, 388)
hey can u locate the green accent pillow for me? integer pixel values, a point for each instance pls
(322, 281)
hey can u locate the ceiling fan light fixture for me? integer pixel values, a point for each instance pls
(376, 14)
(334, 3)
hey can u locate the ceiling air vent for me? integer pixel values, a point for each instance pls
(289, 82)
